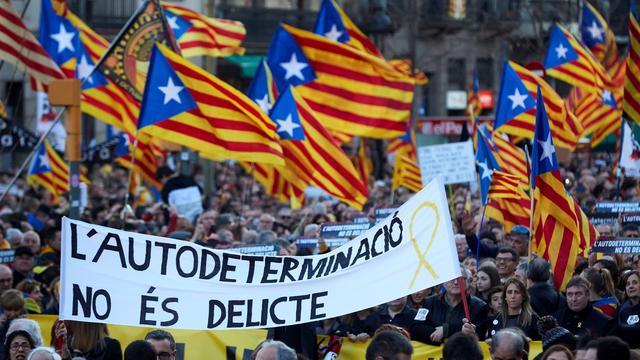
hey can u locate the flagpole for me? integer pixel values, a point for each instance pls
(619, 169)
(127, 208)
(532, 199)
(484, 210)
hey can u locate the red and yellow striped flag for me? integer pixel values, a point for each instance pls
(594, 114)
(362, 162)
(507, 202)
(352, 91)
(275, 184)
(199, 35)
(222, 123)
(511, 158)
(631, 100)
(311, 153)
(406, 173)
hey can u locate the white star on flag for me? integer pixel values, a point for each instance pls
(547, 149)
(84, 69)
(294, 68)
(44, 161)
(517, 99)
(595, 31)
(171, 92)
(333, 33)
(173, 22)
(63, 37)
(606, 96)
(264, 103)
(287, 125)
(561, 52)
(486, 172)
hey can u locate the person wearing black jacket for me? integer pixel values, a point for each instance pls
(445, 314)
(398, 313)
(579, 317)
(545, 300)
(628, 315)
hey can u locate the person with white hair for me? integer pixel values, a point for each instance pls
(30, 326)
(274, 350)
(15, 237)
(43, 353)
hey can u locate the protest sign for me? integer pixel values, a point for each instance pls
(382, 213)
(455, 162)
(119, 277)
(617, 246)
(7, 256)
(312, 242)
(617, 207)
(603, 218)
(270, 250)
(343, 230)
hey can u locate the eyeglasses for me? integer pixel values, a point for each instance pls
(164, 355)
(17, 346)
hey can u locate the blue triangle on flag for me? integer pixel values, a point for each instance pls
(608, 99)
(285, 115)
(122, 148)
(592, 30)
(514, 98)
(85, 70)
(40, 163)
(487, 163)
(287, 62)
(259, 88)
(329, 23)
(57, 35)
(560, 50)
(177, 23)
(165, 95)
(543, 156)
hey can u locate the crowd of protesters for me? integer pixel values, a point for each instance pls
(511, 297)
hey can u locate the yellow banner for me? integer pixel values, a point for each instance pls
(238, 344)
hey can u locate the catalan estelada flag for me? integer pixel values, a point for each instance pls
(508, 203)
(362, 162)
(631, 100)
(334, 24)
(406, 173)
(77, 48)
(473, 101)
(511, 158)
(404, 145)
(49, 170)
(199, 35)
(555, 230)
(594, 30)
(312, 154)
(571, 62)
(351, 91)
(188, 106)
(487, 162)
(146, 163)
(516, 107)
(595, 112)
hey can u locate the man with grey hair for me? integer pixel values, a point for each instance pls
(6, 278)
(15, 237)
(31, 239)
(508, 344)
(274, 350)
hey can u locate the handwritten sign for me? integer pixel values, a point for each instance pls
(453, 161)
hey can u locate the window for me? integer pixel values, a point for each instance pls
(486, 72)
(456, 74)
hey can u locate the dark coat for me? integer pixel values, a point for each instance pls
(405, 319)
(441, 314)
(588, 319)
(628, 323)
(545, 300)
(530, 330)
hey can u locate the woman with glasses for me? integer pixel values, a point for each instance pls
(516, 310)
(18, 345)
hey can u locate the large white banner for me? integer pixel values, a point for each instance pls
(119, 277)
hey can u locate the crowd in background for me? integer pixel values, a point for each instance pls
(511, 297)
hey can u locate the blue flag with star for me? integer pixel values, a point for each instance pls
(84, 70)
(40, 163)
(57, 35)
(592, 28)
(560, 51)
(287, 62)
(122, 147)
(165, 95)
(608, 99)
(487, 163)
(513, 99)
(260, 89)
(329, 23)
(285, 115)
(543, 156)
(179, 26)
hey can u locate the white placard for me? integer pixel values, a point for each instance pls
(119, 277)
(455, 162)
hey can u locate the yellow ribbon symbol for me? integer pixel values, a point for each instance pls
(421, 255)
